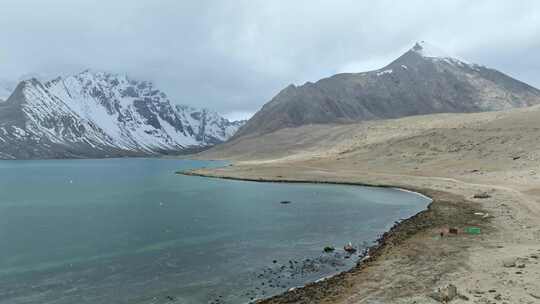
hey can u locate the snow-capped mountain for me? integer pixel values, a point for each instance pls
(97, 114)
(423, 80)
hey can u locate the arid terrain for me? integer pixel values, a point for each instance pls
(494, 156)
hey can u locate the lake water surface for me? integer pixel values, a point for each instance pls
(132, 231)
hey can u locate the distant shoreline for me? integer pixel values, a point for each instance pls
(302, 181)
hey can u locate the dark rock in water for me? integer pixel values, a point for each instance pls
(290, 273)
(349, 248)
(329, 249)
(285, 202)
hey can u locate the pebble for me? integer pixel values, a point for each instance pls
(509, 262)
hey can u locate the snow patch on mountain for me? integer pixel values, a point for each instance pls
(428, 50)
(106, 111)
(388, 71)
(431, 51)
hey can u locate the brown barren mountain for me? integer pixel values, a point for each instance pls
(424, 80)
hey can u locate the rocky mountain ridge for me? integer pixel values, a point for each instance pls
(98, 114)
(423, 80)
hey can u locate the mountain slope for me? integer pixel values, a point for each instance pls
(95, 114)
(421, 81)
(5, 90)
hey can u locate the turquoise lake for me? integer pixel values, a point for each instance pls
(133, 231)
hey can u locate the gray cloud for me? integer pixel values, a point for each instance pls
(233, 56)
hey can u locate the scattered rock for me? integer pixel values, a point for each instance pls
(285, 202)
(482, 195)
(520, 262)
(463, 297)
(445, 295)
(509, 262)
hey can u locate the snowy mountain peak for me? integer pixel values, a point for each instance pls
(426, 49)
(432, 52)
(97, 114)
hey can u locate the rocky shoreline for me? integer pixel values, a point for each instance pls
(445, 210)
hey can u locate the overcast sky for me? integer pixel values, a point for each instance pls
(233, 56)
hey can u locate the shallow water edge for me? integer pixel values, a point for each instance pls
(393, 237)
